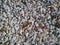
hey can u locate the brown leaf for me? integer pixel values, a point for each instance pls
(25, 24)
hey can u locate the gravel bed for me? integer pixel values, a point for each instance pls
(29, 22)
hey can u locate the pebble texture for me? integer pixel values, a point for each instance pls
(29, 22)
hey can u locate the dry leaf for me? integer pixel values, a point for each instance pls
(25, 24)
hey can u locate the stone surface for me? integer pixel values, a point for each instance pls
(29, 22)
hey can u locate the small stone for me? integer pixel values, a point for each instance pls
(58, 38)
(57, 25)
(0, 42)
(3, 28)
(6, 43)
